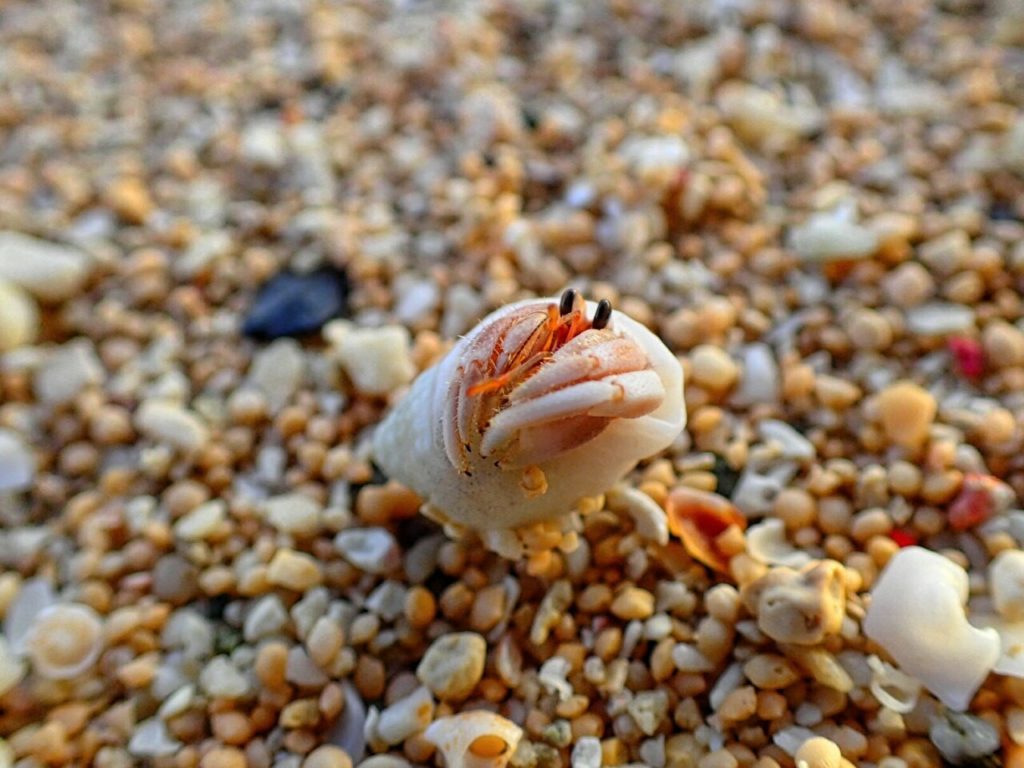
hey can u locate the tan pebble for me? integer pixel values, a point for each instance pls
(869, 330)
(835, 393)
(420, 606)
(1003, 344)
(770, 671)
(488, 607)
(130, 199)
(324, 641)
(739, 705)
(908, 285)
(370, 677)
(799, 607)
(906, 411)
(327, 757)
(795, 507)
(904, 478)
(818, 752)
(294, 570)
(453, 665)
(301, 713)
(231, 728)
(633, 603)
(380, 504)
(712, 368)
(271, 663)
(721, 758)
(138, 673)
(997, 427)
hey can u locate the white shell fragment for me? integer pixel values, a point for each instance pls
(65, 640)
(475, 739)
(767, 543)
(917, 615)
(533, 410)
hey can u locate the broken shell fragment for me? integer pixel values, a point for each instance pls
(917, 615)
(544, 403)
(767, 543)
(699, 518)
(799, 607)
(475, 739)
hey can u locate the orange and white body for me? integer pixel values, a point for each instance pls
(543, 403)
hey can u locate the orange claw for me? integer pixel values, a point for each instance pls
(698, 518)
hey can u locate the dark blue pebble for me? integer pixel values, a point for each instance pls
(293, 305)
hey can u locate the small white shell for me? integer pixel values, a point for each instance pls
(476, 739)
(917, 615)
(894, 689)
(592, 409)
(65, 640)
(767, 543)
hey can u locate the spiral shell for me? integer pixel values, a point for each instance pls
(543, 403)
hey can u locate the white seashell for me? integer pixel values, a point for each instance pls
(65, 640)
(532, 410)
(476, 739)
(895, 690)
(767, 543)
(917, 615)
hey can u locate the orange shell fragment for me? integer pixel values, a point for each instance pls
(698, 518)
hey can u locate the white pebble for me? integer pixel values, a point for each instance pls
(760, 382)
(939, 318)
(169, 423)
(67, 371)
(377, 360)
(220, 679)
(794, 445)
(586, 753)
(373, 550)
(277, 372)
(1006, 583)
(406, 716)
(262, 144)
(294, 513)
(19, 317)
(17, 464)
(12, 667)
(833, 236)
(152, 739)
(202, 521)
(177, 702)
(49, 271)
(267, 617)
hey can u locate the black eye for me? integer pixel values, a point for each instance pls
(568, 299)
(602, 314)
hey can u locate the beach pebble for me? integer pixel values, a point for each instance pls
(586, 753)
(171, 424)
(794, 445)
(175, 579)
(712, 368)
(19, 317)
(761, 116)
(377, 360)
(294, 513)
(12, 667)
(201, 522)
(294, 570)
(17, 463)
(1003, 344)
(945, 254)
(67, 371)
(963, 738)
(150, 738)
(909, 285)
(453, 665)
(1006, 583)
(760, 381)
(327, 756)
(267, 617)
(939, 319)
(277, 372)
(262, 144)
(49, 271)
(799, 607)
(221, 679)
(373, 550)
(291, 304)
(906, 411)
(409, 715)
(833, 236)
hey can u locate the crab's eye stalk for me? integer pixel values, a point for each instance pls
(534, 409)
(568, 301)
(602, 315)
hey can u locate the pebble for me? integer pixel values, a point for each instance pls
(633, 603)
(939, 319)
(833, 236)
(129, 198)
(67, 371)
(150, 738)
(171, 424)
(19, 317)
(300, 669)
(794, 445)
(407, 716)
(586, 753)
(266, 618)
(377, 360)
(327, 756)
(262, 144)
(221, 679)
(291, 304)
(906, 412)
(202, 522)
(293, 513)
(12, 667)
(294, 570)
(175, 579)
(947, 253)
(1003, 344)
(17, 463)
(799, 607)
(712, 368)
(453, 665)
(49, 271)
(909, 285)
(373, 550)
(760, 382)
(277, 372)
(818, 752)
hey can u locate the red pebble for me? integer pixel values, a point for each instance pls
(975, 503)
(968, 356)
(903, 538)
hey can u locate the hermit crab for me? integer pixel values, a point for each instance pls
(545, 402)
